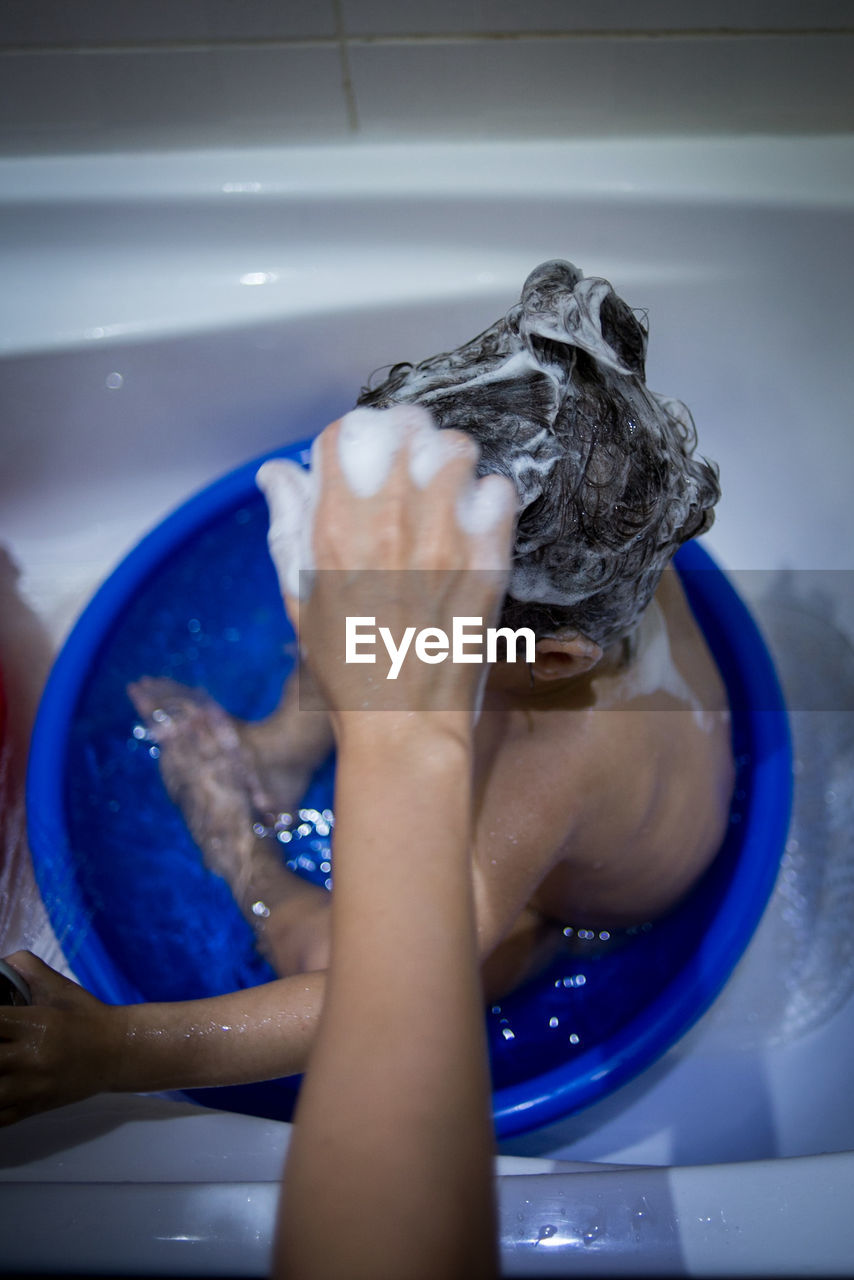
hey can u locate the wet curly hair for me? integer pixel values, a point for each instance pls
(608, 483)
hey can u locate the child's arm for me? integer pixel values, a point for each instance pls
(291, 742)
(69, 1045)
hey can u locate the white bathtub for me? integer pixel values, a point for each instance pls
(167, 317)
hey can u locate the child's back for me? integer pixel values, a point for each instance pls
(605, 777)
(609, 795)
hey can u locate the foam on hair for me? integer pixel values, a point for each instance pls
(607, 483)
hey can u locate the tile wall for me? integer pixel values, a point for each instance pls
(92, 75)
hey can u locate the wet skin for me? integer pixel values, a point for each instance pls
(599, 795)
(599, 801)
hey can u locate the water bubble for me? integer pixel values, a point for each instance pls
(508, 1034)
(573, 1039)
(140, 732)
(114, 381)
(554, 1022)
(258, 277)
(642, 1207)
(284, 837)
(154, 752)
(194, 626)
(577, 980)
(547, 1232)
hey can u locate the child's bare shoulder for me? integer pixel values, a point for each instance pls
(644, 778)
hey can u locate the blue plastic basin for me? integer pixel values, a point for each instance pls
(140, 918)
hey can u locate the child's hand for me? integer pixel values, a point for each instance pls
(62, 1048)
(403, 533)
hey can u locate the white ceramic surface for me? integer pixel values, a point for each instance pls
(166, 318)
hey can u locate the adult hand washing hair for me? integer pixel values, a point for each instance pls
(391, 524)
(394, 1117)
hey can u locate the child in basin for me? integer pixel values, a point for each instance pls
(602, 771)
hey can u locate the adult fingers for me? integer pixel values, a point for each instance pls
(290, 492)
(486, 511)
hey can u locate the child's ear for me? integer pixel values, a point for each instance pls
(564, 655)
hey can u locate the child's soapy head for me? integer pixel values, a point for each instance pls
(604, 470)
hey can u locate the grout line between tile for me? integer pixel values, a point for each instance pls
(346, 78)
(169, 46)
(342, 39)
(675, 33)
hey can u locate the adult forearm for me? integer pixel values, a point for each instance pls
(405, 1000)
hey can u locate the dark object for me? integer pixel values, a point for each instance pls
(13, 989)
